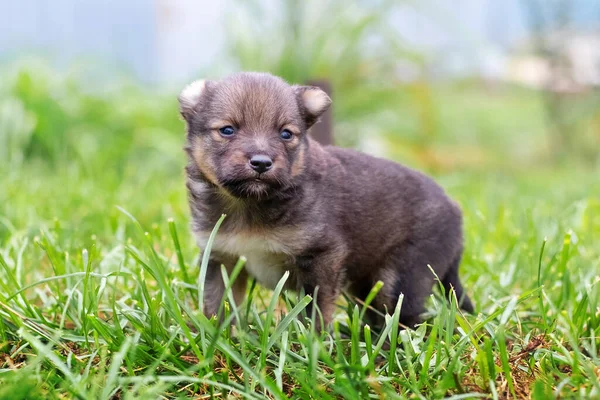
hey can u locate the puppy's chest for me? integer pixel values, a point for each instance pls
(267, 257)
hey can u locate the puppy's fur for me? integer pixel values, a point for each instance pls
(332, 217)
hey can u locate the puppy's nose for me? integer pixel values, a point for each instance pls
(261, 163)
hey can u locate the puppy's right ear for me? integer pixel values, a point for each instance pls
(313, 101)
(190, 97)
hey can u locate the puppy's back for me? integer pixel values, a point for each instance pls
(384, 203)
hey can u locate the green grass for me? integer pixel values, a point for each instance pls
(100, 277)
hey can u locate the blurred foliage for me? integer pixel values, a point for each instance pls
(111, 131)
(572, 112)
(432, 124)
(350, 43)
(93, 149)
(66, 137)
(54, 117)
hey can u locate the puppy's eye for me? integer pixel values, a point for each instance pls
(227, 131)
(286, 134)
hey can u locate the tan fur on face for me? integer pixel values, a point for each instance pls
(220, 123)
(292, 144)
(298, 165)
(217, 137)
(214, 129)
(203, 163)
(238, 157)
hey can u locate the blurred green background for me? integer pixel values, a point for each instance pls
(92, 122)
(85, 127)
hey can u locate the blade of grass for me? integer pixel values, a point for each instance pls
(394, 336)
(204, 263)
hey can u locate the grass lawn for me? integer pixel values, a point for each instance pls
(99, 277)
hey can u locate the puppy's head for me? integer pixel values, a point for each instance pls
(247, 133)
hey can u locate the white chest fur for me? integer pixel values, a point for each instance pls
(267, 257)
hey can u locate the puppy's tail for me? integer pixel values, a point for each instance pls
(452, 281)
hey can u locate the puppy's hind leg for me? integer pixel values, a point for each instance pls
(414, 284)
(452, 281)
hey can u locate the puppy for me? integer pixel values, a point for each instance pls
(334, 218)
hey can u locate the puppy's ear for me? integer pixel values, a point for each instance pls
(190, 96)
(313, 103)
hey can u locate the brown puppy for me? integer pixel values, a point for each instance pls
(332, 217)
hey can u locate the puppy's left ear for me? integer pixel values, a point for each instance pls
(313, 103)
(190, 97)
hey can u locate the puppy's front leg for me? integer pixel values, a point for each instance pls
(214, 287)
(322, 270)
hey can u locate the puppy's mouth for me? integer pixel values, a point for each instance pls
(258, 187)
